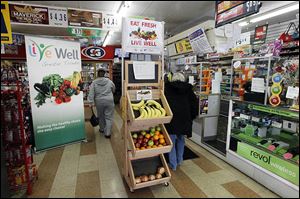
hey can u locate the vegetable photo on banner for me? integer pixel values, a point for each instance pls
(61, 89)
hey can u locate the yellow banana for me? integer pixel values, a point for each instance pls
(158, 113)
(149, 112)
(145, 115)
(153, 112)
(138, 105)
(142, 114)
(153, 102)
(163, 112)
(135, 108)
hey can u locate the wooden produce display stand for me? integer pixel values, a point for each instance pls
(138, 162)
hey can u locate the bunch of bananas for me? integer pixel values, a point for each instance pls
(74, 79)
(150, 109)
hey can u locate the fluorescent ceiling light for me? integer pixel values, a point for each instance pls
(245, 23)
(275, 13)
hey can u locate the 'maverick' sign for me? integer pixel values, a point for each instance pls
(142, 36)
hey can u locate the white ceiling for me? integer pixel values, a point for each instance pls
(178, 15)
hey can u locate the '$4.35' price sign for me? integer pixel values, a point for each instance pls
(58, 17)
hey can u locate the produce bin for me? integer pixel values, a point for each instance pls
(153, 151)
(148, 166)
(157, 95)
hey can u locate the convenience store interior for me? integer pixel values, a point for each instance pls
(235, 117)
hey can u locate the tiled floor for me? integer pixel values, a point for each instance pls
(93, 169)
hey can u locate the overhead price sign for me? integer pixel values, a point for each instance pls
(229, 11)
(28, 14)
(58, 17)
(142, 36)
(84, 18)
(6, 34)
(84, 32)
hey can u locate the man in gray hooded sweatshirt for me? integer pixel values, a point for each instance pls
(101, 94)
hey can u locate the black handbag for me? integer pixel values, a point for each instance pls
(94, 120)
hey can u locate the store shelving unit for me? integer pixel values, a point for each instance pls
(16, 134)
(250, 67)
(146, 161)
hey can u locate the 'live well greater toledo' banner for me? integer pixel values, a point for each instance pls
(54, 68)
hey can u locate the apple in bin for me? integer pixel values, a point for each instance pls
(135, 136)
(140, 141)
(141, 137)
(146, 140)
(152, 130)
(144, 144)
(150, 143)
(158, 128)
(156, 142)
(137, 145)
(143, 133)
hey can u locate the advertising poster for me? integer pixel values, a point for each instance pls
(86, 19)
(229, 11)
(260, 34)
(183, 46)
(6, 34)
(142, 36)
(28, 14)
(54, 73)
(276, 165)
(200, 42)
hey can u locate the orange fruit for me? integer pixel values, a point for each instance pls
(161, 136)
(156, 137)
(149, 147)
(148, 135)
(162, 141)
(157, 133)
(142, 148)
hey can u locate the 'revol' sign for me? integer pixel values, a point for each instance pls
(276, 165)
(142, 36)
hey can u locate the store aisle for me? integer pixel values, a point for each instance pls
(93, 169)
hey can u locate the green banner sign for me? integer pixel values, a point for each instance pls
(54, 72)
(274, 111)
(280, 167)
(84, 32)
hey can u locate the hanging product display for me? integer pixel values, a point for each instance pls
(56, 97)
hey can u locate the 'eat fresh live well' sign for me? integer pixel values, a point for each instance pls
(142, 36)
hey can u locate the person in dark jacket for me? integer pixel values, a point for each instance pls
(184, 105)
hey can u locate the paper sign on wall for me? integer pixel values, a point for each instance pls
(199, 42)
(215, 87)
(292, 92)
(142, 36)
(258, 85)
(144, 70)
